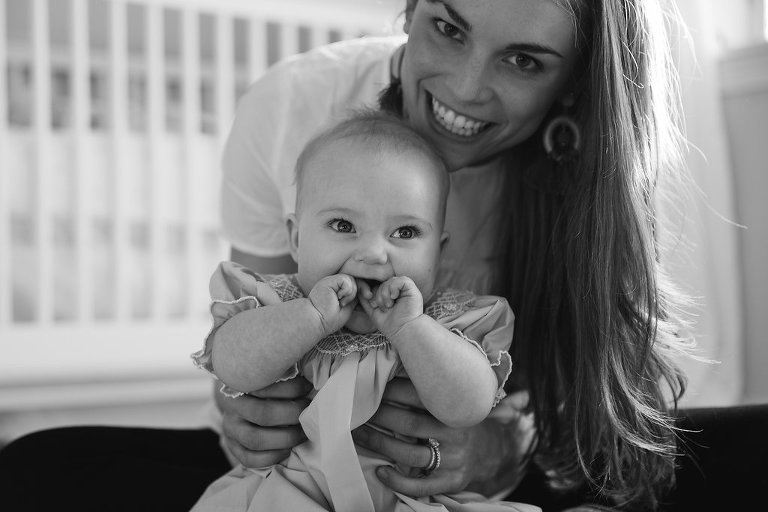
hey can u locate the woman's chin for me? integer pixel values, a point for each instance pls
(360, 323)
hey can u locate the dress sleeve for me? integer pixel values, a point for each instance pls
(488, 325)
(234, 288)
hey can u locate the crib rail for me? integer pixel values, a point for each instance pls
(112, 116)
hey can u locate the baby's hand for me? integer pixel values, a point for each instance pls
(334, 297)
(395, 302)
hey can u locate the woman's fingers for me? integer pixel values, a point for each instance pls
(519, 399)
(253, 459)
(261, 430)
(289, 389)
(449, 477)
(258, 446)
(405, 453)
(411, 422)
(255, 438)
(436, 483)
(265, 412)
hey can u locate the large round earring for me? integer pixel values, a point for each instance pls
(562, 139)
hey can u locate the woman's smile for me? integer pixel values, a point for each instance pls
(455, 122)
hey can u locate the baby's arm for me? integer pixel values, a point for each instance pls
(453, 378)
(255, 347)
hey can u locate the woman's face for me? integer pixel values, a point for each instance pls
(479, 76)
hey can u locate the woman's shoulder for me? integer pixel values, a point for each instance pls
(348, 52)
(306, 91)
(338, 61)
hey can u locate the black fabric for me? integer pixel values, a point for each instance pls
(726, 462)
(137, 469)
(723, 464)
(109, 469)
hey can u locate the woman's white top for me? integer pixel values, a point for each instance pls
(293, 101)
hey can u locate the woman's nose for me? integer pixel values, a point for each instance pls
(469, 81)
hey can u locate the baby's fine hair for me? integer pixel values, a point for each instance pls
(383, 133)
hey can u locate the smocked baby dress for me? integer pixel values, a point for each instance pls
(349, 372)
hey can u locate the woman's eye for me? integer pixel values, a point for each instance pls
(405, 233)
(342, 226)
(447, 29)
(524, 62)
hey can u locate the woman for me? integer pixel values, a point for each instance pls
(558, 120)
(572, 232)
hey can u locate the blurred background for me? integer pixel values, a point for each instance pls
(112, 118)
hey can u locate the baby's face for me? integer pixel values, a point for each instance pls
(370, 214)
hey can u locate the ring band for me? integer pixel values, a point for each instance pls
(434, 461)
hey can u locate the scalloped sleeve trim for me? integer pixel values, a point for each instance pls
(500, 361)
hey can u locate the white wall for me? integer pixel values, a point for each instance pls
(744, 78)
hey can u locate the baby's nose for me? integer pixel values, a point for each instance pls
(372, 251)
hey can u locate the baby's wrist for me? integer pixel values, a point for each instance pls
(318, 322)
(408, 330)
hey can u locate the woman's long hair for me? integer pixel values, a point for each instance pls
(596, 322)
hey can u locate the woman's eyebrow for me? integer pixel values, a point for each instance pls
(533, 48)
(465, 25)
(457, 18)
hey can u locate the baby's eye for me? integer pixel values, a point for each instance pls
(405, 232)
(447, 29)
(342, 226)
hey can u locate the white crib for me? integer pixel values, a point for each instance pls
(112, 116)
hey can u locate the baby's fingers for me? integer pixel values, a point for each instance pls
(364, 290)
(391, 290)
(346, 290)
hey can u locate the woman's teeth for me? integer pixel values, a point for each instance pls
(456, 123)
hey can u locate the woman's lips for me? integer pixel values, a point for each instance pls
(458, 124)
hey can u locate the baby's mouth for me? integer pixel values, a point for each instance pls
(456, 123)
(373, 284)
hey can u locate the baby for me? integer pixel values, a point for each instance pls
(367, 236)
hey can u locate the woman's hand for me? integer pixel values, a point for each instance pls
(486, 458)
(260, 429)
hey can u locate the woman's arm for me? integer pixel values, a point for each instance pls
(453, 378)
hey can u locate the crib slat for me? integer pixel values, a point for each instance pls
(348, 33)
(155, 49)
(41, 87)
(6, 286)
(318, 36)
(191, 135)
(257, 48)
(225, 73)
(118, 77)
(289, 39)
(81, 161)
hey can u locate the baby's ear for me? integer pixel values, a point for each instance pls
(293, 236)
(444, 240)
